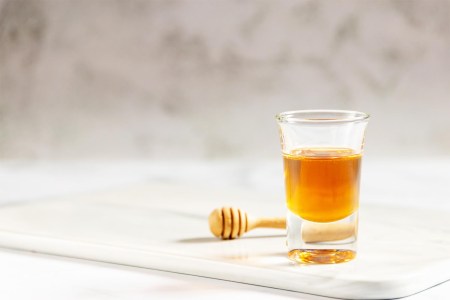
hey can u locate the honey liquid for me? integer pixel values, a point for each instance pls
(322, 184)
(322, 187)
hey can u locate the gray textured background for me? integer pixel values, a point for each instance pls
(203, 79)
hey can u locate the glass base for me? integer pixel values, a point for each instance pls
(321, 242)
(318, 256)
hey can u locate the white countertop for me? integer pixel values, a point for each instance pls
(26, 275)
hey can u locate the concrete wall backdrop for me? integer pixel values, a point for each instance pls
(203, 79)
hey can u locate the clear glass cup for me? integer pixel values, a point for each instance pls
(322, 152)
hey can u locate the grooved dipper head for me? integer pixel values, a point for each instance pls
(228, 222)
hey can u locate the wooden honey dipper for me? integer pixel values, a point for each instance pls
(230, 222)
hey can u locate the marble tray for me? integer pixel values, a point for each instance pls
(401, 251)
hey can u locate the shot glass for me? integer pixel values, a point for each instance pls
(322, 152)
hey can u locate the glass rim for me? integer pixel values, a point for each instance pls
(318, 116)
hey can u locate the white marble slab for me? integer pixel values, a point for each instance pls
(402, 251)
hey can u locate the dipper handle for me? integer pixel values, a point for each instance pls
(267, 223)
